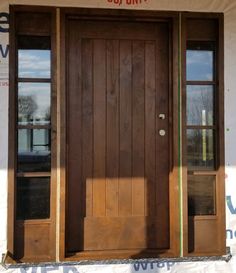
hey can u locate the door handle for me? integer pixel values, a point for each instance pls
(162, 116)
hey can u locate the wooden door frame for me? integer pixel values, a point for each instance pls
(135, 16)
(59, 120)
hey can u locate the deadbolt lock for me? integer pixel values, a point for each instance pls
(162, 132)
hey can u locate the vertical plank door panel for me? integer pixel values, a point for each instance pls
(118, 170)
(87, 124)
(162, 155)
(74, 138)
(125, 181)
(138, 63)
(112, 128)
(150, 127)
(99, 135)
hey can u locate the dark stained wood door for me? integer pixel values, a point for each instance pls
(118, 160)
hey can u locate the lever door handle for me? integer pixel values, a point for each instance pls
(162, 116)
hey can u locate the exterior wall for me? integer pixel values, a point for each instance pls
(229, 9)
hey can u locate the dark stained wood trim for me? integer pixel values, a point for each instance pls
(205, 172)
(174, 186)
(221, 144)
(201, 127)
(11, 139)
(203, 217)
(34, 80)
(201, 15)
(118, 14)
(62, 135)
(29, 8)
(116, 254)
(200, 83)
(54, 184)
(34, 222)
(34, 174)
(46, 127)
(183, 151)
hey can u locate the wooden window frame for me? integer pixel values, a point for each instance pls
(58, 125)
(49, 224)
(213, 32)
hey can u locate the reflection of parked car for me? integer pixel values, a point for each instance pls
(39, 161)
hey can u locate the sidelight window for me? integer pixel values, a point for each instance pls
(204, 135)
(33, 123)
(201, 129)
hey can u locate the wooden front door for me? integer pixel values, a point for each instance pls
(118, 136)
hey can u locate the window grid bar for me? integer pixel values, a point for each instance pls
(34, 80)
(33, 174)
(201, 83)
(213, 127)
(46, 127)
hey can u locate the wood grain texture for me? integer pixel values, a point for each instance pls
(112, 127)
(74, 123)
(138, 128)
(87, 124)
(163, 142)
(150, 128)
(125, 163)
(125, 132)
(99, 136)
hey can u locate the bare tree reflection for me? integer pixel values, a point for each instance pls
(200, 113)
(199, 99)
(26, 108)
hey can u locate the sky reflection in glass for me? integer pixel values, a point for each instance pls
(34, 63)
(200, 65)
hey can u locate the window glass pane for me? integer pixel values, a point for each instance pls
(200, 101)
(201, 195)
(34, 150)
(200, 149)
(33, 198)
(34, 57)
(200, 65)
(34, 103)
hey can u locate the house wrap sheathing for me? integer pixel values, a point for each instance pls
(228, 7)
